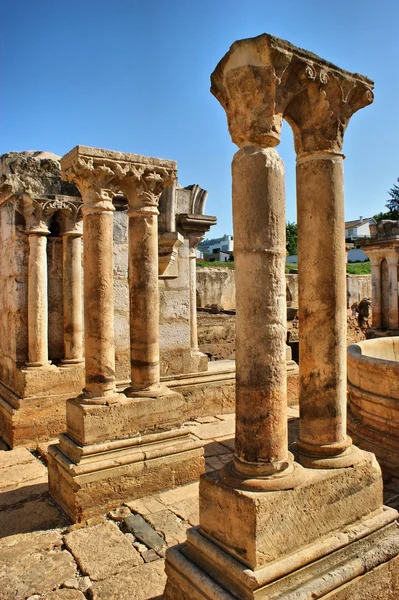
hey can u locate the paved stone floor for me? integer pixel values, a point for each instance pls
(118, 556)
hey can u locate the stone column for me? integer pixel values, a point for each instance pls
(319, 116)
(72, 292)
(261, 459)
(192, 257)
(143, 187)
(392, 260)
(36, 222)
(37, 300)
(259, 250)
(375, 261)
(97, 185)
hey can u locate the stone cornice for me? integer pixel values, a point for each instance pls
(101, 174)
(262, 80)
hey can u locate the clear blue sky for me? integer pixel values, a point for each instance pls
(134, 76)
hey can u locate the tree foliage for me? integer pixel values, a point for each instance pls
(292, 238)
(392, 205)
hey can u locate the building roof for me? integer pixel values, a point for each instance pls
(357, 222)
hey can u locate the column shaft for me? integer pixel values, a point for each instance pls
(376, 291)
(393, 293)
(37, 301)
(259, 251)
(98, 303)
(144, 298)
(193, 298)
(72, 297)
(322, 303)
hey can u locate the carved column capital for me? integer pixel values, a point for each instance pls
(37, 214)
(97, 181)
(143, 186)
(264, 79)
(320, 113)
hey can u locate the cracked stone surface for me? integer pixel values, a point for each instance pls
(102, 551)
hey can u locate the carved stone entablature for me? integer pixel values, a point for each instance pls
(264, 79)
(38, 212)
(101, 174)
(385, 240)
(195, 226)
(168, 249)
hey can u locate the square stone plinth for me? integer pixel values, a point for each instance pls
(125, 417)
(328, 537)
(93, 479)
(259, 527)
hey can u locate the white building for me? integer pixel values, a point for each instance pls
(224, 244)
(358, 229)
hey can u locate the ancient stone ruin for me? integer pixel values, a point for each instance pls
(382, 248)
(99, 347)
(305, 521)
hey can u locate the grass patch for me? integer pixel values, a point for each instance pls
(216, 263)
(359, 268)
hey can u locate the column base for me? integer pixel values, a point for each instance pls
(356, 562)
(90, 480)
(330, 530)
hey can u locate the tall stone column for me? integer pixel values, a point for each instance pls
(392, 260)
(37, 300)
(36, 222)
(143, 187)
(319, 116)
(97, 187)
(72, 291)
(194, 226)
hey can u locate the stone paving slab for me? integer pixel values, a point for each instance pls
(188, 510)
(64, 594)
(142, 583)
(33, 563)
(172, 528)
(33, 515)
(142, 530)
(211, 431)
(22, 478)
(102, 551)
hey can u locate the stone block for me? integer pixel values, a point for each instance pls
(101, 477)
(33, 564)
(136, 525)
(173, 529)
(257, 528)
(90, 423)
(141, 583)
(30, 516)
(102, 551)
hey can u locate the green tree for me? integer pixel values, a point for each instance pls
(392, 205)
(292, 238)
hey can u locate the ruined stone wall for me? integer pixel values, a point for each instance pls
(358, 287)
(217, 286)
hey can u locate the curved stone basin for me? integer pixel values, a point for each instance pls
(373, 398)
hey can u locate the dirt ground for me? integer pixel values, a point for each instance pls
(216, 333)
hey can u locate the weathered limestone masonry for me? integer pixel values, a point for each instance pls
(36, 208)
(272, 527)
(117, 445)
(31, 182)
(383, 252)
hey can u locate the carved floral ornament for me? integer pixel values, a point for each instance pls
(38, 212)
(262, 80)
(100, 181)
